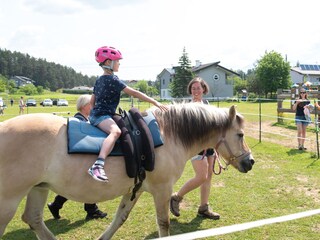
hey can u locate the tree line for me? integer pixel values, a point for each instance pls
(49, 75)
(270, 73)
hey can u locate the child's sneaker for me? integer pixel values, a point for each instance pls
(98, 173)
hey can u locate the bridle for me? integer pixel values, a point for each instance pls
(245, 153)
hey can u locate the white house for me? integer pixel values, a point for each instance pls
(214, 74)
(21, 81)
(304, 73)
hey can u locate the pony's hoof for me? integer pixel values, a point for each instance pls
(175, 204)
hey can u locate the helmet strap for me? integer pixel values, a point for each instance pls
(112, 64)
(108, 67)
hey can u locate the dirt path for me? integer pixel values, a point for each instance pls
(279, 135)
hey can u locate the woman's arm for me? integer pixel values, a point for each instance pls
(294, 106)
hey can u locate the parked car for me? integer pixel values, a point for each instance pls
(31, 102)
(47, 102)
(62, 102)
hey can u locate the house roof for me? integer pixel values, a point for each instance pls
(22, 78)
(82, 88)
(170, 70)
(305, 72)
(203, 66)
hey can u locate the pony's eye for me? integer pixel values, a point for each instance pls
(240, 135)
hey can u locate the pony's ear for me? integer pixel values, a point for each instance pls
(232, 112)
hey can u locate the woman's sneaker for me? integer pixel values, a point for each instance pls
(98, 173)
(205, 212)
(95, 215)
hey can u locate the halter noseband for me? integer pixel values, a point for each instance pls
(233, 157)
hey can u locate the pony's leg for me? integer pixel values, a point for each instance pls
(7, 210)
(161, 199)
(33, 213)
(121, 216)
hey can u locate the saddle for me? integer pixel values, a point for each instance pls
(136, 142)
(139, 136)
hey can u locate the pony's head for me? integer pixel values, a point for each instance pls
(198, 126)
(232, 146)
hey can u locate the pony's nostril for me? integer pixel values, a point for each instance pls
(252, 161)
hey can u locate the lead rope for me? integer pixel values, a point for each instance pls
(216, 158)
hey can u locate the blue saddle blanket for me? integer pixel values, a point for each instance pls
(86, 138)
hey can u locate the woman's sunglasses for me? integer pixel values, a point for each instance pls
(303, 92)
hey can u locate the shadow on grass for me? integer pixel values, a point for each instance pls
(180, 228)
(294, 151)
(55, 226)
(256, 145)
(313, 163)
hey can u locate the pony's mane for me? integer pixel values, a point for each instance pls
(191, 122)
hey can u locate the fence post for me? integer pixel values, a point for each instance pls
(259, 120)
(316, 122)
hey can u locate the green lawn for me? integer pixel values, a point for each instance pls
(283, 181)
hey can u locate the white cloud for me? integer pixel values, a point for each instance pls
(26, 38)
(151, 34)
(55, 7)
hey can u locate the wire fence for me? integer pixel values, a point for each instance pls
(263, 121)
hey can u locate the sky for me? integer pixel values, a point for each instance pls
(151, 34)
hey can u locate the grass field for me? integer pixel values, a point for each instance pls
(283, 181)
(249, 109)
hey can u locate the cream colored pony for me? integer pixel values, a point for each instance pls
(34, 160)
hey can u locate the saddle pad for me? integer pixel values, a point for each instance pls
(85, 138)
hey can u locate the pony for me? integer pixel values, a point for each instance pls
(34, 160)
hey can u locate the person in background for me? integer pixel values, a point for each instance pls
(202, 164)
(21, 105)
(11, 102)
(1, 107)
(299, 105)
(105, 100)
(93, 212)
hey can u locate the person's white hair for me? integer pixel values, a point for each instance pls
(82, 101)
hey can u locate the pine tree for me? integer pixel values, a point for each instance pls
(183, 75)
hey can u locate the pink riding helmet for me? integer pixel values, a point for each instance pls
(104, 53)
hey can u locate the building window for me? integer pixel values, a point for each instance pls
(163, 81)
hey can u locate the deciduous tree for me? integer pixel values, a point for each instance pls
(273, 72)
